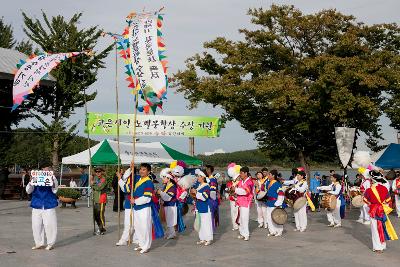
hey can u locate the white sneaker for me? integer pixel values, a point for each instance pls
(260, 225)
(270, 235)
(279, 234)
(49, 247)
(201, 242)
(360, 220)
(367, 222)
(121, 243)
(39, 247)
(235, 229)
(337, 225)
(296, 230)
(246, 238)
(240, 237)
(144, 251)
(331, 225)
(207, 243)
(302, 230)
(137, 248)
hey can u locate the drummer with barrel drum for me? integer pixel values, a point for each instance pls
(333, 200)
(274, 201)
(296, 193)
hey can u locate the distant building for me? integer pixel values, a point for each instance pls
(217, 151)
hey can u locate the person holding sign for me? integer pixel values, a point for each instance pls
(43, 187)
(99, 186)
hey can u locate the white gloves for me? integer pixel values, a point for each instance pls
(213, 195)
(126, 175)
(240, 191)
(279, 201)
(165, 196)
(183, 195)
(200, 196)
(142, 200)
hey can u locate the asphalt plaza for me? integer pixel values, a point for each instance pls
(76, 245)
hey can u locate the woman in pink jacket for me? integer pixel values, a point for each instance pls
(244, 191)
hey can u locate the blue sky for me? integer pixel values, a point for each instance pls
(187, 25)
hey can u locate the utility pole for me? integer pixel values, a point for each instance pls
(191, 146)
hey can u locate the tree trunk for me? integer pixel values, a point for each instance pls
(304, 162)
(55, 151)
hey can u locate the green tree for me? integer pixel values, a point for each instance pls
(73, 77)
(294, 77)
(6, 35)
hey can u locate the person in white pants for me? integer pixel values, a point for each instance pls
(234, 208)
(142, 197)
(203, 210)
(300, 185)
(275, 197)
(244, 191)
(168, 196)
(44, 218)
(396, 191)
(261, 208)
(364, 217)
(377, 197)
(335, 189)
(128, 232)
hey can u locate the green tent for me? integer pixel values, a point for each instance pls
(105, 153)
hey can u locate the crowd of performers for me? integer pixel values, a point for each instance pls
(147, 208)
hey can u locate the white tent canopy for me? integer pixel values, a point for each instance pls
(145, 152)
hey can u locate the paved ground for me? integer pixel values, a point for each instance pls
(76, 246)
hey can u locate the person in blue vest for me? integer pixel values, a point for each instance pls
(144, 210)
(44, 217)
(275, 197)
(168, 196)
(214, 202)
(125, 183)
(203, 220)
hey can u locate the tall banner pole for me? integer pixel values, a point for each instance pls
(133, 159)
(90, 159)
(118, 148)
(344, 141)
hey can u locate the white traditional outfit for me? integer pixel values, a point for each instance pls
(233, 205)
(300, 216)
(44, 218)
(364, 210)
(334, 215)
(261, 207)
(125, 185)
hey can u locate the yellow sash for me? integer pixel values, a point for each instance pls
(389, 227)
(169, 185)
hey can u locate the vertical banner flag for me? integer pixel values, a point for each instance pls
(344, 141)
(31, 72)
(149, 64)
